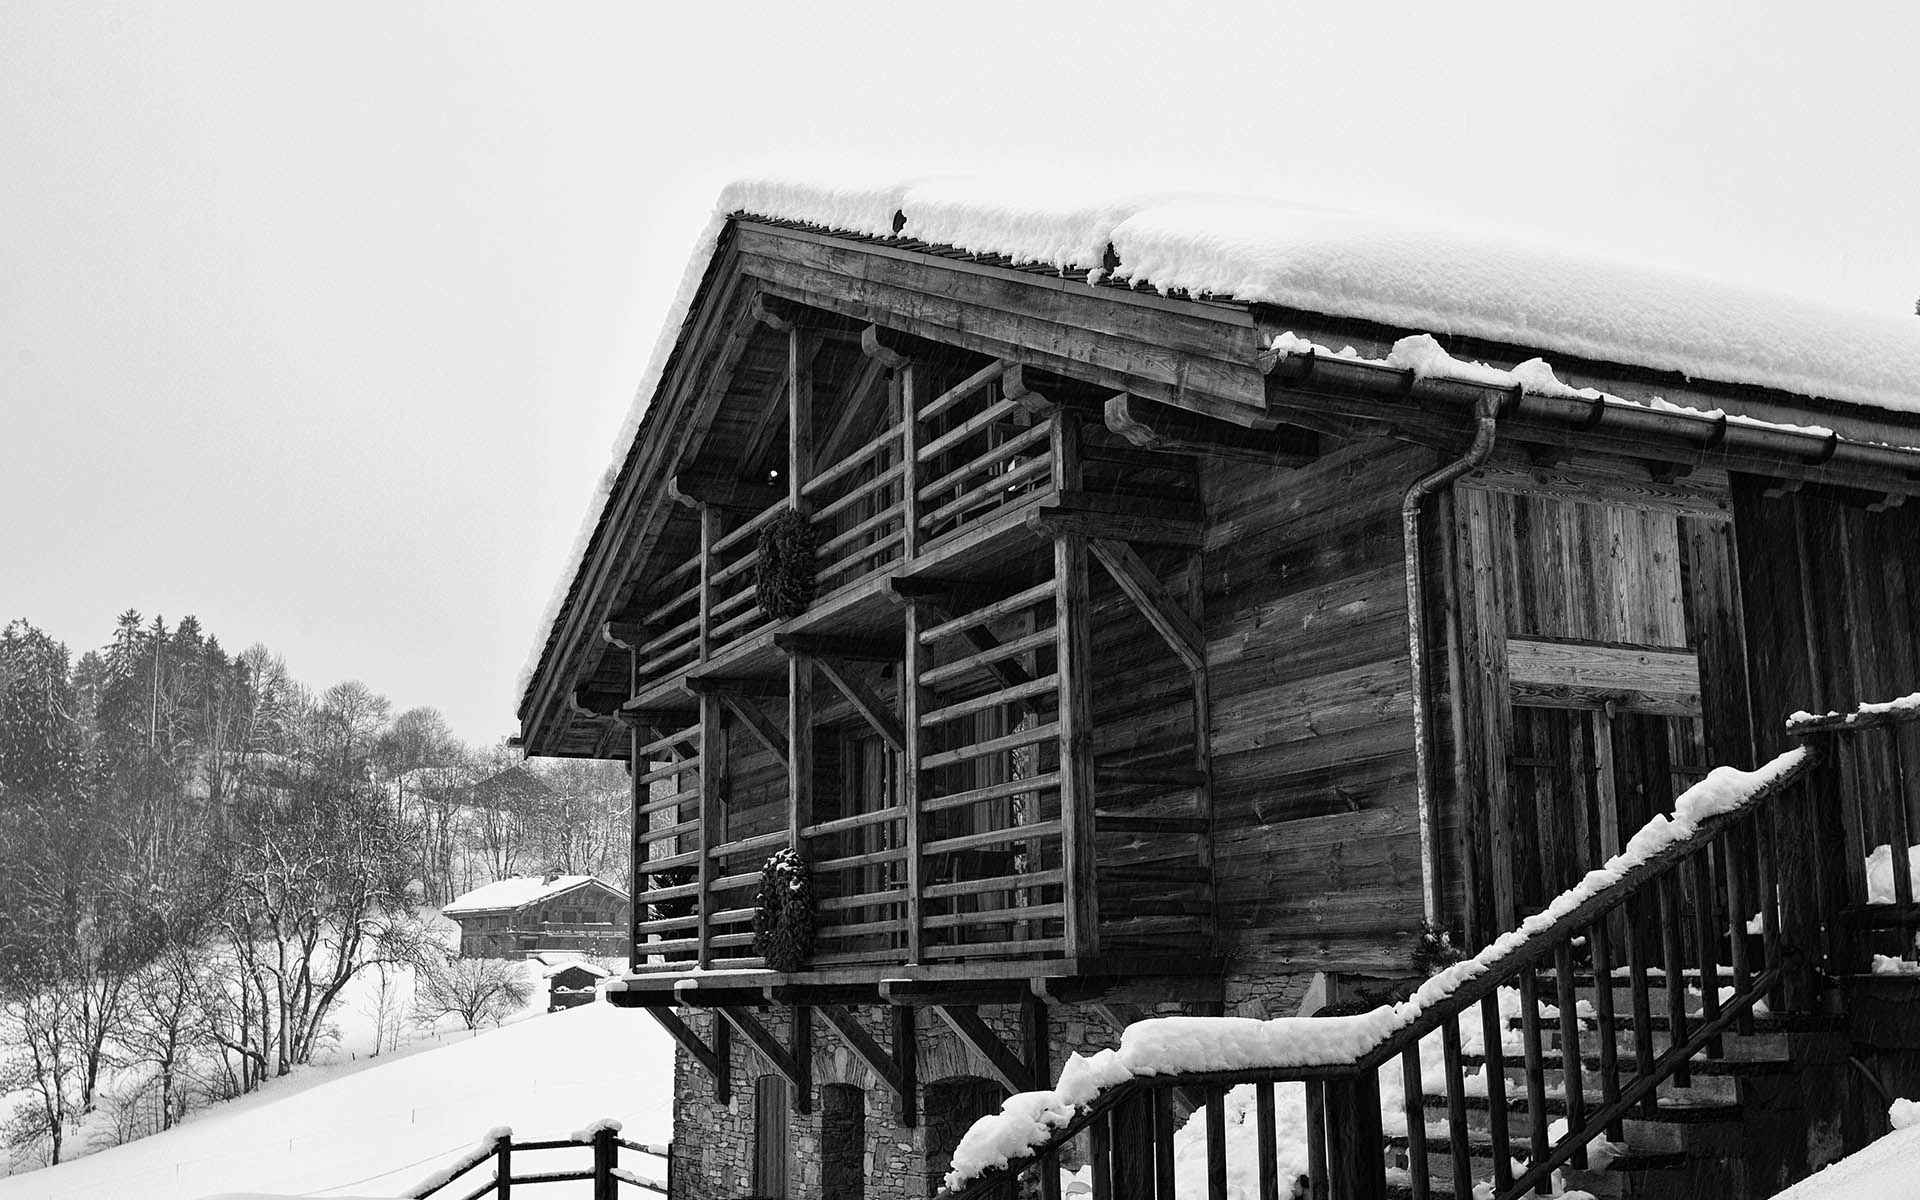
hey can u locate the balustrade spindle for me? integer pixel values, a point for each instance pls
(1316, 1139)
(1535, 1061)
(1456, 1110)
(1163, 1130)
(1493, 1034)
(1572, 1083)
(1100, 1152)
(1706, 934)
(1413, 1103)
(1736, 851)
(1602, 943)
(1668, 889)
(1217, 1141)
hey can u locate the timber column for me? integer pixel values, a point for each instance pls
(1074, 648)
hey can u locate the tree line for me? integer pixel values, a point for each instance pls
(198, 854)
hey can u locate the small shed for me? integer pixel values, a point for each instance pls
(573, 982)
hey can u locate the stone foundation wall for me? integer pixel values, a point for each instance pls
(714, 1142)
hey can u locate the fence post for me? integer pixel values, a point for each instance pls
(605, 1155)
(1356, 1163)
(503, 1167)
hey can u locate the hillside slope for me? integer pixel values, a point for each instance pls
(378, 1130)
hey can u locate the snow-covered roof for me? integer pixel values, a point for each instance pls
(519, 891)
(1413, 275)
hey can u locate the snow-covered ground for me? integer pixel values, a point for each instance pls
(1888, 1168)
(373, 1127)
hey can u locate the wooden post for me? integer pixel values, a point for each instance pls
(1356, 1166)
(1033, 1037)
(1073, 615)
(709, 534)
(799, 749)
(800, 347)
(906, 1066)
(712, 819)
(906, 379)
(1133, 1173)
(503, 1166)
(800, 1019)
(636, 849)
(912, 668)
(605, 1156)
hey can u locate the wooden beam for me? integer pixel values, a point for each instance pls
(779, 1057)
(866, 703)
(735, 685)
(1160, 609)
(800, 351)
(829, 645)
(773, 312)
(758, 724)
(710, 1058)
(799, 749)
(977, 1036)
(883, 1065)
(1120, 518)
(700, 485)
(912, 778)
(1170, 430)
(906, 1051)
(712, 820)
(875, 343)
(1015, 386)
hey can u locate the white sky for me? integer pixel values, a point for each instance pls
(318, 321)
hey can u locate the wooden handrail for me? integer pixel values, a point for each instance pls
(1545, 941)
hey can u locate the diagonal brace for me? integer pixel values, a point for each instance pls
(865, 702)
(758, 724)
(976, 1035)
(778, 1057)
(707, 1056)
(1153, 600)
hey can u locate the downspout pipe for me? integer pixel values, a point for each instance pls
(1486, 413)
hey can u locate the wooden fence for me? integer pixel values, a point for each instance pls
(604, 1171)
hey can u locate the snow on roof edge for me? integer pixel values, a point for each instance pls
(517, 891)
(1408, 275)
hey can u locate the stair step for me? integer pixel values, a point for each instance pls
(1440, 1153)
(1671, 1111)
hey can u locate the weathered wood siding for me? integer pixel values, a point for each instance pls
(1316, 843)
(1831, 623)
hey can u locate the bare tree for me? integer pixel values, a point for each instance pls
(477, 990)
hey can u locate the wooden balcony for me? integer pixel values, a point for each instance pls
(951, 632)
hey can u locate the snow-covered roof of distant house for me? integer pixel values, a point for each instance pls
(519, 891)
(1416, 276)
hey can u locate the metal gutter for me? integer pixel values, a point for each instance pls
(1486, 414)
(1702, 431)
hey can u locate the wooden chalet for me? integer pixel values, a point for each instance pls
(1108, 701)
(523, 914)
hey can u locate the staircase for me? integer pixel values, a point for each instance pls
(1559, 1057)
(1696, 1140)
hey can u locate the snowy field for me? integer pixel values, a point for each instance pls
(374, 1127)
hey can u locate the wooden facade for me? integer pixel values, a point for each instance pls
(1106, 693)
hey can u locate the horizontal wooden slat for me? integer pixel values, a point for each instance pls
(852, 462)
(882, 547)
(1010, 948)
(666, 802)
(857, 821)
(658, 611)
(1033, 687)
(872, 858)
(981, 658)
(891, 513)
(683, 737)
(988, 613)
(862, 900)
(669, 771)
(855, 495)
(764, 841)
(973, 426)
(672, 862)
(997, 791)
(1589, 667)
(1007, 449)
(988, 490)
(1036, 832)
(998, 883)
(1011, 741)
(752, 526)
(997, 916)
(960, 391)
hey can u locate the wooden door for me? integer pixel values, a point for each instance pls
(1593, 621)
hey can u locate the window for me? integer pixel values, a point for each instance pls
(771, 1105)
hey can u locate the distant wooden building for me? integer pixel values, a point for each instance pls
(1108, 700)
(512, 917)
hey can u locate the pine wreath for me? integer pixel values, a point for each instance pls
(783, 576)
(783, 913)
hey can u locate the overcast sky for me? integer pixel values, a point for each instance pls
(318, 321)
